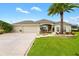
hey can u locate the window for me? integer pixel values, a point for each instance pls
(44, 27)
(64, 30)
(57, 29)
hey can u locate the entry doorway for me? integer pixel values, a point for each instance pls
(46, 28)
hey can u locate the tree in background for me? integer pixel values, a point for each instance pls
(5, 27)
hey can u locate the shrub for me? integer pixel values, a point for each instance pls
(1, 31)
(70, 33)
(5, 26)
(67, 33)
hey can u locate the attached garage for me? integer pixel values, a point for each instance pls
(30, 29)
(27, 28)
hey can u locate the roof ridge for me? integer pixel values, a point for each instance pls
(38, 21)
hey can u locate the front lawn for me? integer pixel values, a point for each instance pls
(55, 46)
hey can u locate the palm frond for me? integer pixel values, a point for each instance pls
(61, 7)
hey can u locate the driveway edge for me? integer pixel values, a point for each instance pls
(26, 52)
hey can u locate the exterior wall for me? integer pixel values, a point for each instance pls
(35, 28)
(46, 23)
(55, 28)
(67, 27)
(27, 28)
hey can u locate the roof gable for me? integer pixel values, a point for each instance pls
(63, 23)
(44, 21)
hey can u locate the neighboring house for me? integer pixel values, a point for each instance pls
(75, 28)
(41, 26)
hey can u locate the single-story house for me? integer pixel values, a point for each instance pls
(40, 26)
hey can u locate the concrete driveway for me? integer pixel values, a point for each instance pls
(15, 44)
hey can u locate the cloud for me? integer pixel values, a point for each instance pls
(36, 8)
(22, 11)
(74, 20)
(77, 17)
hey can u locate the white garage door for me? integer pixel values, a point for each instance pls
(30, 29)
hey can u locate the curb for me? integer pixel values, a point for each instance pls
(26, 52)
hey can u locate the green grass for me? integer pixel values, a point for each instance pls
(55, 46)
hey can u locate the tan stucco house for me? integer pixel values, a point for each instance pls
(40, 26)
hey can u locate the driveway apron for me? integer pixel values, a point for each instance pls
(15, 44)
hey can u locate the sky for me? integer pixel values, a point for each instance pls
(16, 12)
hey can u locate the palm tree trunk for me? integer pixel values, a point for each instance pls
(61, 26)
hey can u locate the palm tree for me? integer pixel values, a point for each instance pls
(61, 8)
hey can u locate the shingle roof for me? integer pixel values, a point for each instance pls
(39, 21)
(63, 22)
(44, 21)
(25, 22)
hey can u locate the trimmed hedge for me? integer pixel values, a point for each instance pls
(5, 26)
